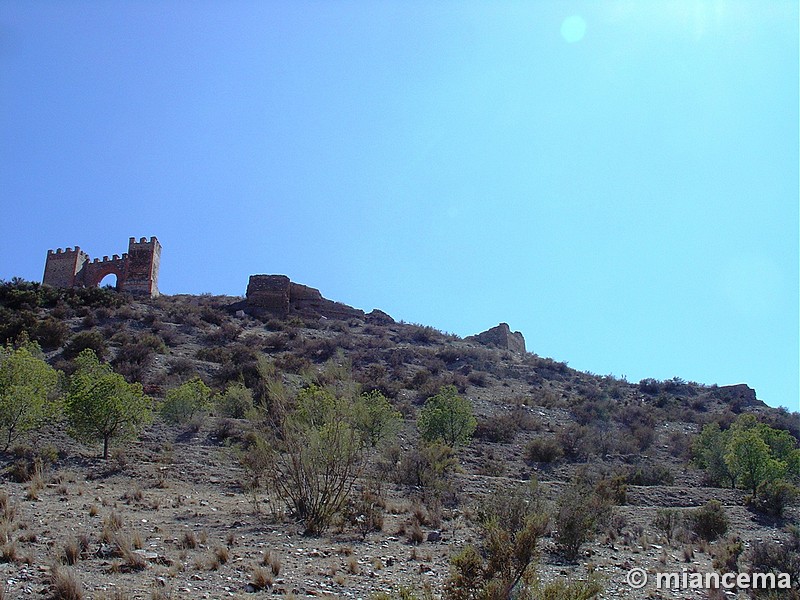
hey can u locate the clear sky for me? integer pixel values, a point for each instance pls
(618, 180)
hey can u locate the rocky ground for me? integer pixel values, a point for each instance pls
(168, 516)
(170, 520)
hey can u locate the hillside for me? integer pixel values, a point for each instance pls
(199, 520)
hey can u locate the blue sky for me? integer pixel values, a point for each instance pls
(618, 180)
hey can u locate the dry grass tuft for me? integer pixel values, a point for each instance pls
(273, 561)
(189, 541)
(261, 579)
(65, 584)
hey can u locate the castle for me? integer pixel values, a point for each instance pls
(136, 270)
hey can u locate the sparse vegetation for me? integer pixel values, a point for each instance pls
(512, 522)
(314, 405)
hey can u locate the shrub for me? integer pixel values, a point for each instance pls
(375, 418)
(709, 522)
(512, 522)
(668, 521)
(773, 497)
(427, 467)
(543, 450)
(447, 417)
(580, 511)
(319, 456)
(650, 473)
(561, 589)
(65, 584)
(185, 401)
(93, 340)
(499, 428)
(726, 556)
(235, 402)
(50, 332)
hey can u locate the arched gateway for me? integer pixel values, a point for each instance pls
(136, 270)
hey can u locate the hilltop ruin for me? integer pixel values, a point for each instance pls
(136, 270)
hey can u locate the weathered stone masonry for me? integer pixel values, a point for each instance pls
(136, 270)
(279, 296)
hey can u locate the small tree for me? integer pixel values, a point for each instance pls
(748, 457)
(668, 521)
(709, 454)
(27, 391)
(185, 401)
(101, 405)
(447, 417)
(375, 417)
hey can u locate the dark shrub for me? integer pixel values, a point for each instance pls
(500, 428)
(92, 339)
(581, 510)
(709, 522)
(50, 333)
(773, 497)
(217, 355)
(668, 521)
(649, 386)
(650, 473)
(543, 450)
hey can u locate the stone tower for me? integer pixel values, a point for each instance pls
(136, 270)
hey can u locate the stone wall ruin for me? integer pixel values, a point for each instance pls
(136, 270)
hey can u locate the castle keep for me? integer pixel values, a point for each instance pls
(136, 270)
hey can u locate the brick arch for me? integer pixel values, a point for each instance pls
(97, 272)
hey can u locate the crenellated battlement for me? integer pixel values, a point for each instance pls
(65, 252)
(136, 270)
(143, 241)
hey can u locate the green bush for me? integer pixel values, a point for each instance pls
(375, 417)
(650, 473)
(185, 401)
(447, 417)
(427, 467)
(581, 510)
(773, 497)
(512, 522)
(235, 402)
(319, 454)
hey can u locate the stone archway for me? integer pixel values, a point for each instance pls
(98, 271)
(110, 280)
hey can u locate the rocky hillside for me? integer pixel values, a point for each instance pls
(185, 491)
